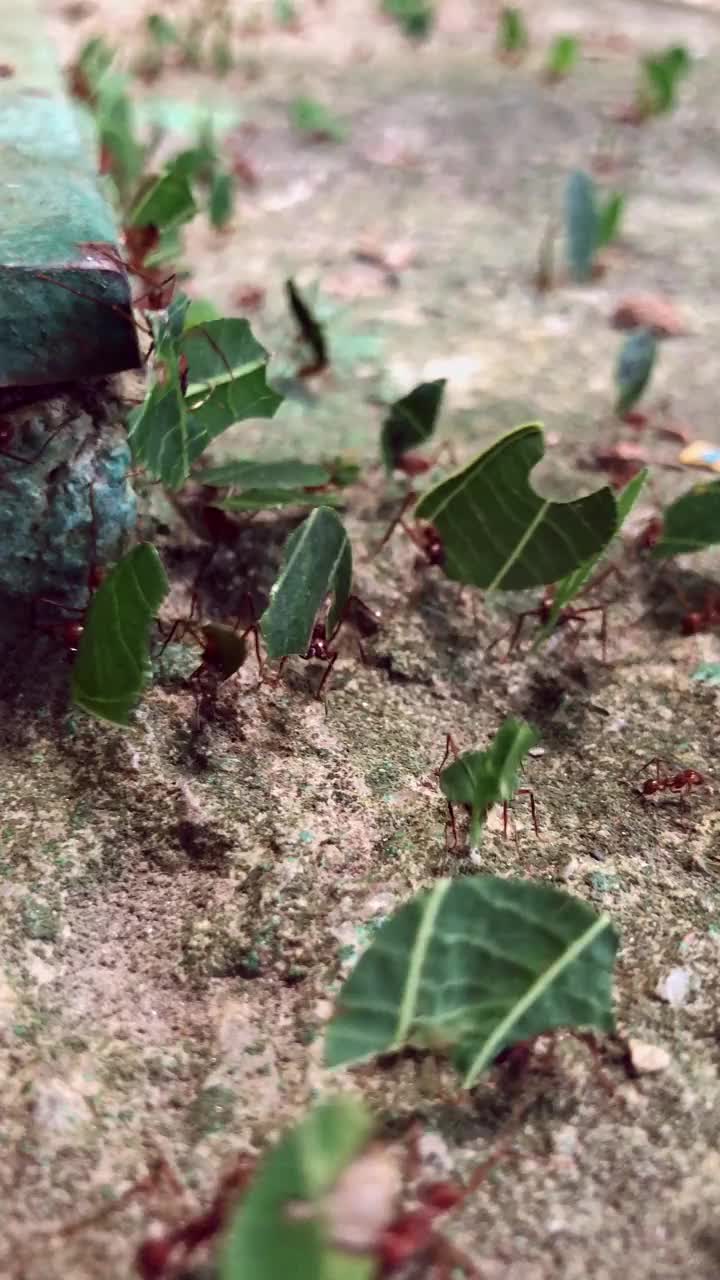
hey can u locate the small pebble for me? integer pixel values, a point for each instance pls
(598, 854)
(674, 987)
(648, 1058)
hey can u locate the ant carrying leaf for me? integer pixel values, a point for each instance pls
(476, 780)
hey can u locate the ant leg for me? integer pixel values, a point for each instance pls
(450, 750)
(505, 819)
(326, 674)
(527, 791)
(447, 1261)
(657, 761)
(452, 824)
(398, 519)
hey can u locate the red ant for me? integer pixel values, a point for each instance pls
(168, 1254)
(705, 619)
(224, 648)
(71, 630)
(451, 749)
(425, 536)
(567, 616)
(650, 535)
(355, 614)
(680, 783)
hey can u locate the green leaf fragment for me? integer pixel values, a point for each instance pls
(283, 1226)
(268, 499)
(222, 200)
(113, 662)
(480, 779)
(610, 217)
(513, 35)
(499, 534)
(634, 367)
(570, 586)
(473, 966)
(226, 383)
(411, 421)
(582, 224)
(166, 202)
(691, 523)
(312, 117)
(285, 473)
(564, 53)
(317, 562)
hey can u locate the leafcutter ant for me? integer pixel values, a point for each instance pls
(71, 629)
(224, 648)
(666, 779)
(425, 536)
(356, 614)
(451, 749)
(568, 616)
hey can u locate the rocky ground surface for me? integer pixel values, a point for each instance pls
(180, 901)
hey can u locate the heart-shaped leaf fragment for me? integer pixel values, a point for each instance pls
(113, 662)
(473, 966)
(499, 534)
(411, 421)
(692, 522)
(317, 562)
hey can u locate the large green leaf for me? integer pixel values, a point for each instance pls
(285, 473)
(480, 779)
(473, 966)
(283, 1227)
(634, 367)
(317, 562)
(411, 421)
(225, 383)
(113, 663)
(499, 534)
(582, 224)
(569, 587)
(692, 522)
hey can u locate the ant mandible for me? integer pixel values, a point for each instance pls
(425, 536)
(356, 614)
(451, 749)
(680, 783)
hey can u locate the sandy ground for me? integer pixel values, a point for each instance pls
(181, 901)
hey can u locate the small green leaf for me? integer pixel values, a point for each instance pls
(581, 224)
(161, 30)
(662, 73)
(707, 673)
(282, 1225)
(415, 17)
(691, 523)
(312, 117)
(200, 311)
(166, 202)
(564, 53)
(113, 663)
(634, 367)
(480, 779)
(317, 562)
(272, 499)
(222, 200)
(226, 648)
(569, 587)
(610, 217)
(411, 421)
(473, 966)
(226, 383)
(499, 534)
(513, 35)
(286, 473)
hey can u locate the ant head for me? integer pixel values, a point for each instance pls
(692, 623)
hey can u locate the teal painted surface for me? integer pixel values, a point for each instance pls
(64, 309)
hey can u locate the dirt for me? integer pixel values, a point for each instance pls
(181, 901)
